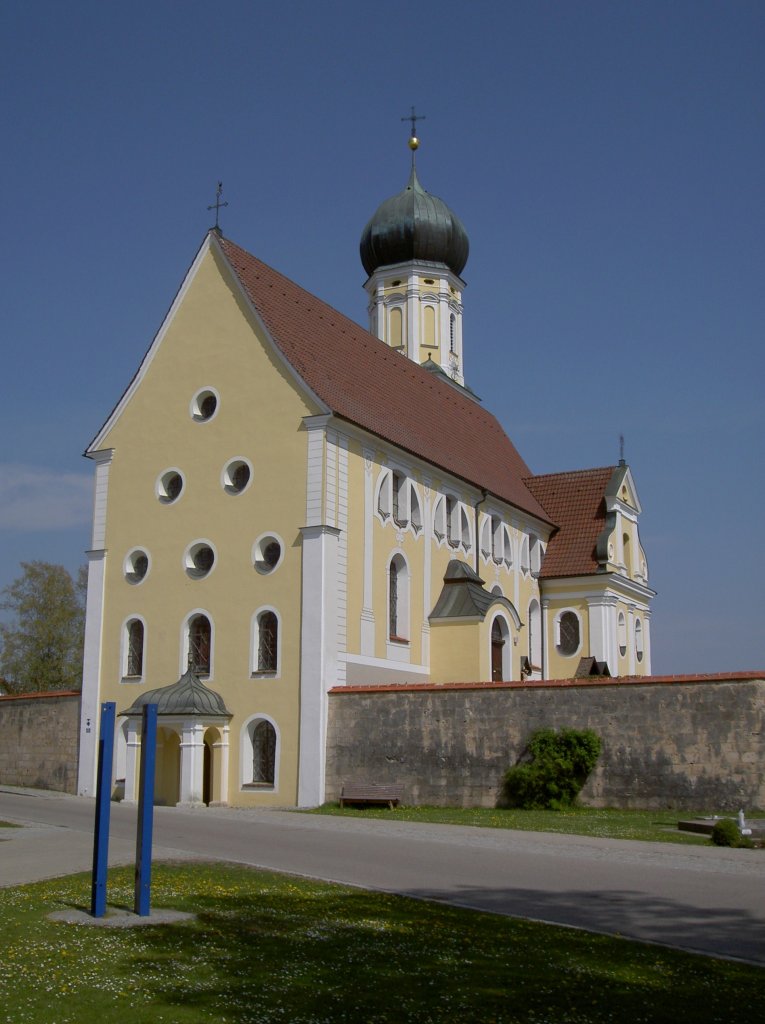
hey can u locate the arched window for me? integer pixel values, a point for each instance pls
(396, 327)
(429, 323)
(268, 642)
(535, 635)
(439, 518)
(626, 553)
(200, 645)
(415, 511)
(567, 640)
(398, 599)
(639, 648)
(464, 529)
(497, 538)
(452, 331)
(134, 634)
(263, 753)
(525, 563)
(498, 641)
(398, 499)
(507, 546)
(486, 537)
(622, 633)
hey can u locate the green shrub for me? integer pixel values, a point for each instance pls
(726, 833)
(553, 769)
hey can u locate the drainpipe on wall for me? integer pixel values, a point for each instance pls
(484, 496)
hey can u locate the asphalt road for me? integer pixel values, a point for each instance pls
(707, 899)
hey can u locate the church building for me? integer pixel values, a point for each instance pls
(286, 503)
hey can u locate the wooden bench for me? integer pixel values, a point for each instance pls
(369, 793)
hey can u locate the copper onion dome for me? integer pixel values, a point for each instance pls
(414, 225)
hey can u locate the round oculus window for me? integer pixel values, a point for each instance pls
(169, 486)
(199, 560)
(267, 554)
(204, 405)
(236, 476)
(136, 566)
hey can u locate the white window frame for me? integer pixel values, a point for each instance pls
(556, 632)
(246, 752)
(185, 639)
(255, 672)
(125, 650)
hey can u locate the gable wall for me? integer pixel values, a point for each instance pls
(211, 342)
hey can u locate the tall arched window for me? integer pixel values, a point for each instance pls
(621, 629)
(200, 645)
(263, 753)
(639, 646)
(398, 599)
(452, 332)
(268, 642)
(134, 634)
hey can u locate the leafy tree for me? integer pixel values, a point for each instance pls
(41, 646)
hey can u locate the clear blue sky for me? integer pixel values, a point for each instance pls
(607, 160)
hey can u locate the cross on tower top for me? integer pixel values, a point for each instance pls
(218, 205)
(414, 118)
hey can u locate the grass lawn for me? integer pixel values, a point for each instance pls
(269, 948)
(658, 826)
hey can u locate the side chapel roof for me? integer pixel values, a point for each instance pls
(364, 381)
(576, 502)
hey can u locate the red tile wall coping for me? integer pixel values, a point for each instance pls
(40, 696)
(715, 677)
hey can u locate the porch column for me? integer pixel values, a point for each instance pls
(222, 761)
(132, 760)
(192, 764)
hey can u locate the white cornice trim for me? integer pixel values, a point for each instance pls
(595, 585)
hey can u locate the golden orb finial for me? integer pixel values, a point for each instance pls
(414, 143)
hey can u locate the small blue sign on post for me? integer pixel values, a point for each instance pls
(103, 808)
(142, 903)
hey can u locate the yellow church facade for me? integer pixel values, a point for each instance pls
(286, 503)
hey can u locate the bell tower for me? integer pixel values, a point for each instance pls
(414, 249)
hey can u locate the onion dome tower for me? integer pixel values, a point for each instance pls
(414, 249)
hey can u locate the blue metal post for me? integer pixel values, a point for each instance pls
(142, 904)
(103, 808)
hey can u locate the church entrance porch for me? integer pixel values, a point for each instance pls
(192, 744)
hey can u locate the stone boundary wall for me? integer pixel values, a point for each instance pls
(688, 742)
(39, 740)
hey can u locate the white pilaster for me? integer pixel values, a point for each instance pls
(647, 641)
(603, 638)
(318, 662)
(367, 612)
(94, 616)
(412, 326)
(547, 632)
(631, 639)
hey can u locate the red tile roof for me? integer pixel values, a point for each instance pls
(575, 501)
(364, 381)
